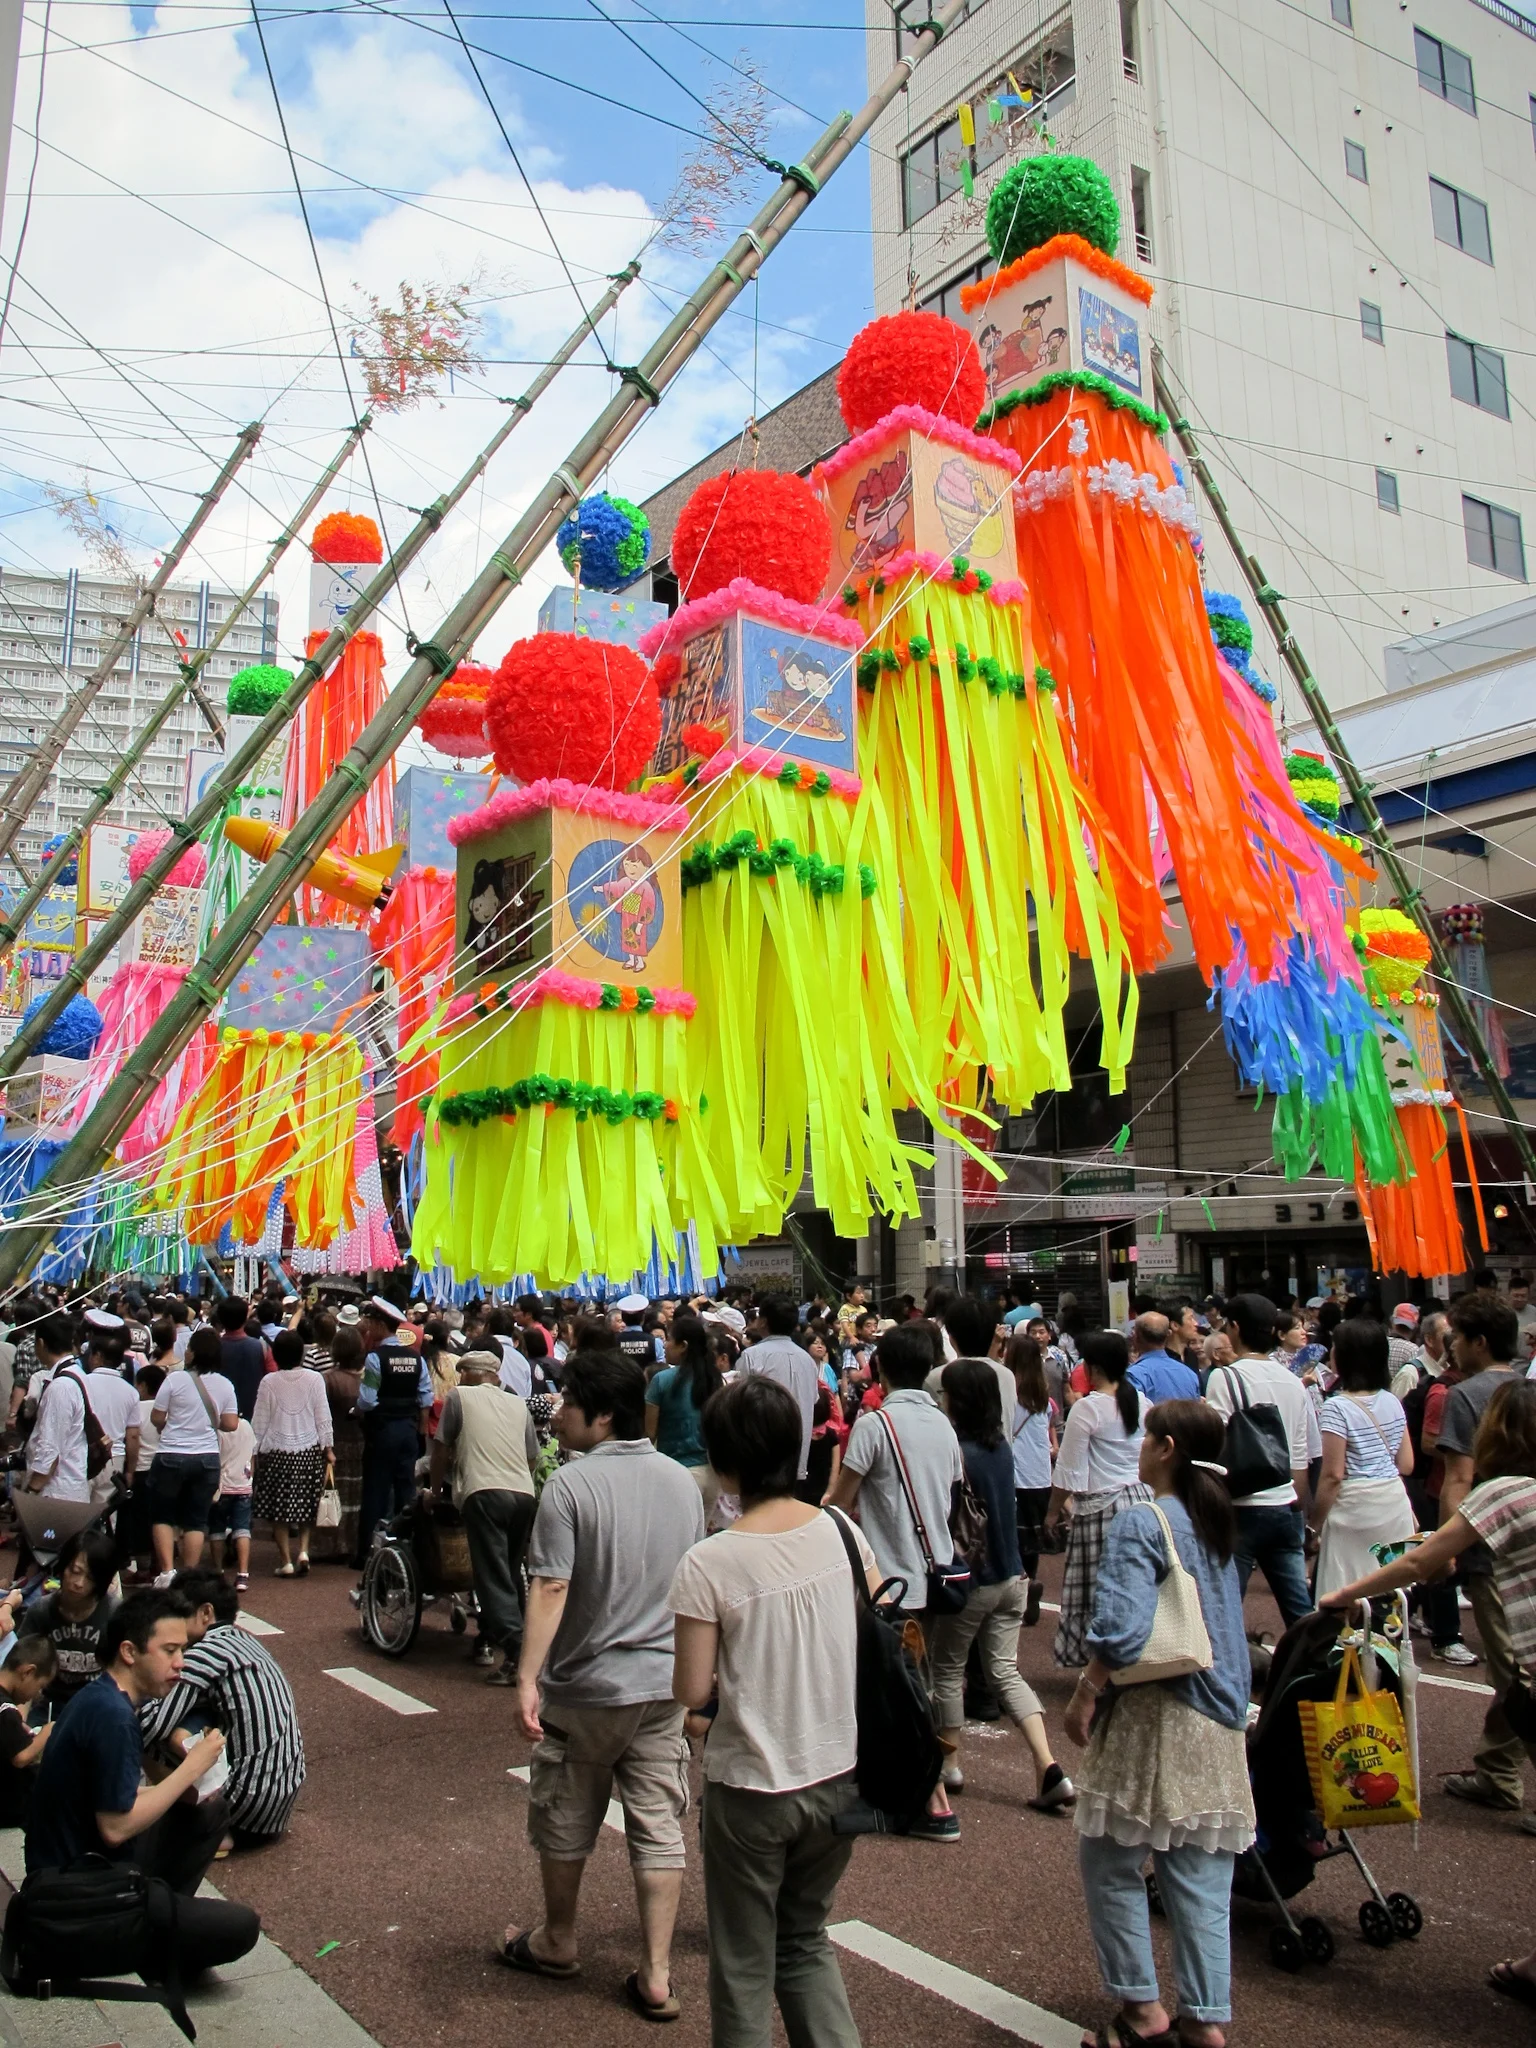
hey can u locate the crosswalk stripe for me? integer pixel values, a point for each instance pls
(255, 1626)
(613, 1818)
(375, 1689)
(1014, 2015)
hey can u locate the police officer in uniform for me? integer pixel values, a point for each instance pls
(633, 1341)
(396, 1390)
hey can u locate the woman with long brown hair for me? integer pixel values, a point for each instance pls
(1034, 1448)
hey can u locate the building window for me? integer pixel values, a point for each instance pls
(1444, 71)
(1354, 161)
(1493, 538)
(1533, 117)
(1460, 220)
(1477, 376)
(946, 300)
(1141, 212)
(1015, 105)
(1342, 14)
(1371, 323)
(1386, 491)
(1130, 41)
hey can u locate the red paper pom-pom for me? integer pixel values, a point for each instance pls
(755, 523)
(911, 359)
(343, 537)
(189, 872)
(567, 706)
(454, 722)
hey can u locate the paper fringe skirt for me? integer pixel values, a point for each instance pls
(325, 727)
(1415, 1228)
(413, 937)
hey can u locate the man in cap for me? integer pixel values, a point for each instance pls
(1403, 1338)
(487, 1443)
(396, 1390)
(636, 1343)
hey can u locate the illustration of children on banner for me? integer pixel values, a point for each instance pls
(632, 893)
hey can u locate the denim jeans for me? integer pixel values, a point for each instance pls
(1196, 1890)
(1272, 1538)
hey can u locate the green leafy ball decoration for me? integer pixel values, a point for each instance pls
(254, 691)
(1051, 195)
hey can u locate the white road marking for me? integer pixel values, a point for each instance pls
(375, 1689)
(1456, 1684)
(972, 1994)
(255, 1626)
(613, 1818)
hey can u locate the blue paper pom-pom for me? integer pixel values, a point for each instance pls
(73, 1034)
(69, 874)
(607, 539)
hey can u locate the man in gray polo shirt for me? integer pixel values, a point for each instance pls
(780, 1358)
(594, 1681)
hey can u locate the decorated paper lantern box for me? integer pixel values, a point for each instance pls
(748, 682)
(301, 978)
(334, 587)
(44, 1094)
(268, 771)
(906, 488)
(425, 800)
(579, 881)
(164, 934)
(618, 616)
(1062, 316)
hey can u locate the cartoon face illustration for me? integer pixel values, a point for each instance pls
(968, 508)
(878, 510)
(799, 705)
(499, 930)
(631, 893)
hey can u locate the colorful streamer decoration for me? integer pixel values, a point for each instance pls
(1461, 926)
(413, 938)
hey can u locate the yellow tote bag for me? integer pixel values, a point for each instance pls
(1358, 1755)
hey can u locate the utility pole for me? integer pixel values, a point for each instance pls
(641, 388)
(27, 784)
(237, 770)
(15, 924)
(1383, 848)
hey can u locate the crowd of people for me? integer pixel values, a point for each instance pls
(679, 1517)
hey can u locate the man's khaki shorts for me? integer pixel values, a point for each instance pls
(639, 1753)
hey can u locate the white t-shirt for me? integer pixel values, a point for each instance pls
(187, 1430)
(1275, 1386)
(932, 1453)
(1097, 1454)
(149, 1436)
(1371, 1446)
(784, 1606)
(237, 1450)
(114, 1403)
(58, 1439)
(516, 1375)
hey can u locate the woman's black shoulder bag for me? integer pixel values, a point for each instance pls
(899, 1758)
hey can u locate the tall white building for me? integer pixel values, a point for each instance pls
(1336, 200)
(53, 632)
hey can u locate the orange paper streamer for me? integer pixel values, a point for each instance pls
(413, 938)
(1415, 1228)
(325, 727)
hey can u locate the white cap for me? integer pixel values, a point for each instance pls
(100, 1319)
(633, 1304)
(728, 1318)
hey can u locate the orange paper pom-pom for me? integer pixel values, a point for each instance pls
(454, 722)
(343, 537)
(911, 359)
(754, 523)
(563, 705)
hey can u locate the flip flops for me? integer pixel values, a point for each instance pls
(517, 1955)
(661, 2010)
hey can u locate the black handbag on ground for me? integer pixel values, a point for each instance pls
(1257, 1453)
(98, 1915)
(899, 1756)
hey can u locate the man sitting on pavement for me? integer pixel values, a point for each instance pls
(487, 1442)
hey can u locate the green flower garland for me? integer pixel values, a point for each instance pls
(822, 877)
(1076, 380)
(615, 1106)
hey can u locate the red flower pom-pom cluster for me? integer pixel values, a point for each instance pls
(567, 706)
(454, 722)
(755, 523)
(911, 359)
(344, 537)
(190, 872)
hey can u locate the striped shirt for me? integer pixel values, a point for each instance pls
(231, 1682)
(1503, 1512)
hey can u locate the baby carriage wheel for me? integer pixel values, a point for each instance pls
(1154, 1896)
(1407, 1920)
(458, 1620)
(1376, 1924)
(1285, 1949)
(1316, 1940)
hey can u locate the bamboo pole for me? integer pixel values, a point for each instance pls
(641, 388)
(235, 771)
(1384, 849)
(27, 784)
(12, 926)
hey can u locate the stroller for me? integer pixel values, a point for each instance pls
(1292, 1841)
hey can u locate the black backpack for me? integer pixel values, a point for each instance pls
(108, 1917)
(1415, 1402)
(1257, 1453)
(899, 1757)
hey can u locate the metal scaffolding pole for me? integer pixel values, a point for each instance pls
(1383, 847)
(235, 771)
(14, 925)
(27, 784)
(641, 388)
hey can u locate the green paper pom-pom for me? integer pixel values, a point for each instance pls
(254, 691)
(1051, 195)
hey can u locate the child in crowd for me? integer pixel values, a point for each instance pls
(229, 1519)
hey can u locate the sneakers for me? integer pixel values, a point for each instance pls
(1478, 1790)
(483, 1654)
(162, 1580)
(1455, 1653)
(934, 1827)
(1056, 1791)
(1032, 1604)
(953, 1778)
(863, 1819)
(1528, 1823)
(242, 1582)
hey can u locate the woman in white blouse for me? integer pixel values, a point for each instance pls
(294, 1453)
(1097, 1467)
(1367, 1453)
